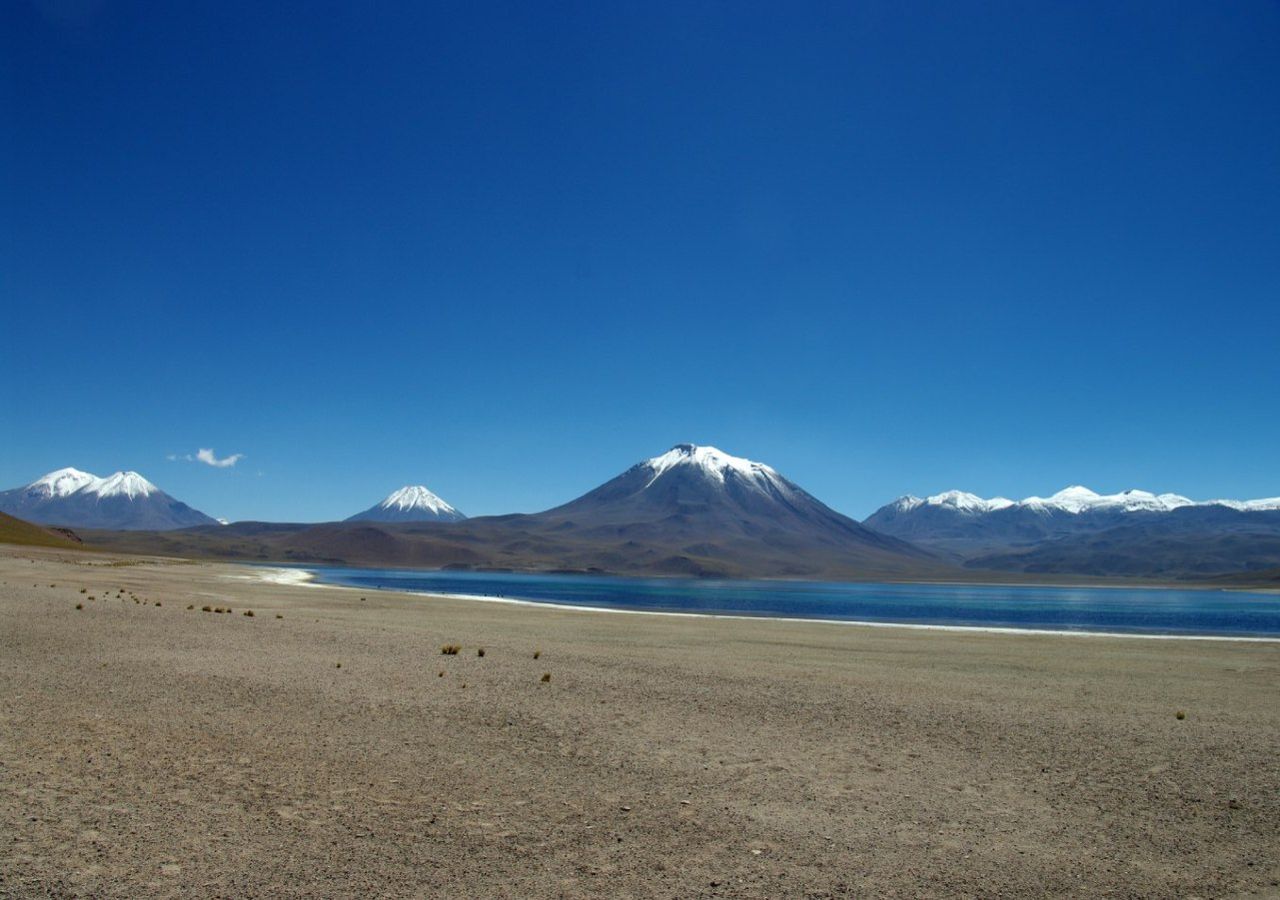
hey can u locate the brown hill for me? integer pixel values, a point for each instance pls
(18, 531)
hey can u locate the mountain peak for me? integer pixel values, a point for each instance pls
(1075, 492)
(123, 484)
(415, 496)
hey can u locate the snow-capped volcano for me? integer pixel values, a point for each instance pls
(702, 504)
(411, 503)
(124, 500)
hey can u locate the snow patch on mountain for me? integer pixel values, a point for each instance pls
(1267, 503)
(1075, 500)
(65, 482)
(62, 483)
(714, 463)
(122, 484)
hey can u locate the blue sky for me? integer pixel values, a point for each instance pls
(508, 250)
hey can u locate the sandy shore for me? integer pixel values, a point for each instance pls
(156, 750)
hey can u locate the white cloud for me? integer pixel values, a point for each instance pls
(209, 458)
(206, 456)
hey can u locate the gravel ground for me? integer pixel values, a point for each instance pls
(152, 750)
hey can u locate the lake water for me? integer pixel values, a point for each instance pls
(1151, 611)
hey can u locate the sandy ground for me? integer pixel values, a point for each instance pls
(155, 750)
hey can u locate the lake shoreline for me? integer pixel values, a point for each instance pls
(310, 577)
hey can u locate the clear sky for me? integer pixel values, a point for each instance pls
(507, 250)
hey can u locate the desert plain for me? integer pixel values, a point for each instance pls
(326, 746)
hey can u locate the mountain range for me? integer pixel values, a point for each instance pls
(696, 510)
(690, 511)
(1077, 531)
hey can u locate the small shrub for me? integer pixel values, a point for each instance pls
(278, 616)
(206, 609)
(191, 606)
(440, 674)
(91, 597)
(480, 652)
(337, 665)
(1180, 715)
(158, 603)
(450, 649)
(219, 609)
(79, 606)
(249, 613)
(84, 590)
(537, 653)
(546, 676)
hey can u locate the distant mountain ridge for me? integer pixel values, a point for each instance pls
(1073, 499)
(124, 501)
(1078, 531)
(411, 503)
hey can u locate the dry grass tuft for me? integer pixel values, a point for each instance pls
(450, 649)
(546, 676)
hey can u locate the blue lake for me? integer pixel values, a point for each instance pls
(1122, 610)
